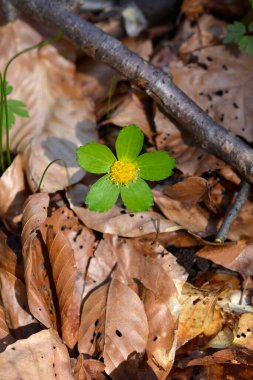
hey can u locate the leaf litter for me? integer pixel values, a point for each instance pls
(145, 295)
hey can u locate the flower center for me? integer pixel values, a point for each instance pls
(121, 173)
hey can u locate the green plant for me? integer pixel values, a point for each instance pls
(241, 34)
(125, 174)
(10, 108)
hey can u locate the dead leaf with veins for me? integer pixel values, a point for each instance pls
(61, 117)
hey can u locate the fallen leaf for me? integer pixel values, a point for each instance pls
(193, 218)
(13, 293)
(46, 82)
(215, 84)
(13, 193)
(68, 275)
(191, 189)
(191, 160)
(234, 356)
(236, 257)
(106, 328)
(41, 356)
(161, 280)
(244, 331)
(134, 108)
(5, 336)
(38, 285)
(88, 369)
(118, 221)
(200, 314)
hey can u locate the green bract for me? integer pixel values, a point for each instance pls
(126, 174)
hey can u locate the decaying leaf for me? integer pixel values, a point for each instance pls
(107, 328)
(41, 356)
(88, 369)
(13, 292)
(193, 218)
(13, 193)
(192, 189)
(155, 276)
(5, 337)
(61, 117)
(38, 286)
(118, 221)
(237, 257)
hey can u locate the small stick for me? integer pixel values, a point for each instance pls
(233, 212)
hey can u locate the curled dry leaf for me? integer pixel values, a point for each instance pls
(41, 356)
(118, 221)
(193, 218)
(88, 369)
(68, 277)
(13, 292)
(108, 329)
(38, 286)
(61, 117)
(237, 257)
(13, 193)
(70, 245)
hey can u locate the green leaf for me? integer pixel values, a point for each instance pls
(95, 158)
(137, 196)
(129, 143)
(246, 44)
(14, 107)
(102, 195)
(235, 32)
(155, 166)
(250, 26)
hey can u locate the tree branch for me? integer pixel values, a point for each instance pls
(205, 132)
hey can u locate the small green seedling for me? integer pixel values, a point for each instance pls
(241, 34)
(125, 174)
(10, 108)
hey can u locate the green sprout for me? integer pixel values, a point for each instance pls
(125, 174)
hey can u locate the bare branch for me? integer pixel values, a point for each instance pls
(205, 132)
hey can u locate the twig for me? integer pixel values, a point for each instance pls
(233, 212)
(100, 46)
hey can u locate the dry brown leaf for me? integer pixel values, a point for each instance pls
(13, 193)
(244, 331)
(242, 227)
(191, 160)
(161, 280)
(235, 355)
(88, 369)
(5, 337)
(193, 218)
(42, 356)
(61, 117)
(237, 257)
(191, 189)
(221, 84)
(199, 314)
(134, 108)
(118, 221)
(108, 328)
(13, 292)
(68, 288)
(38, 286)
